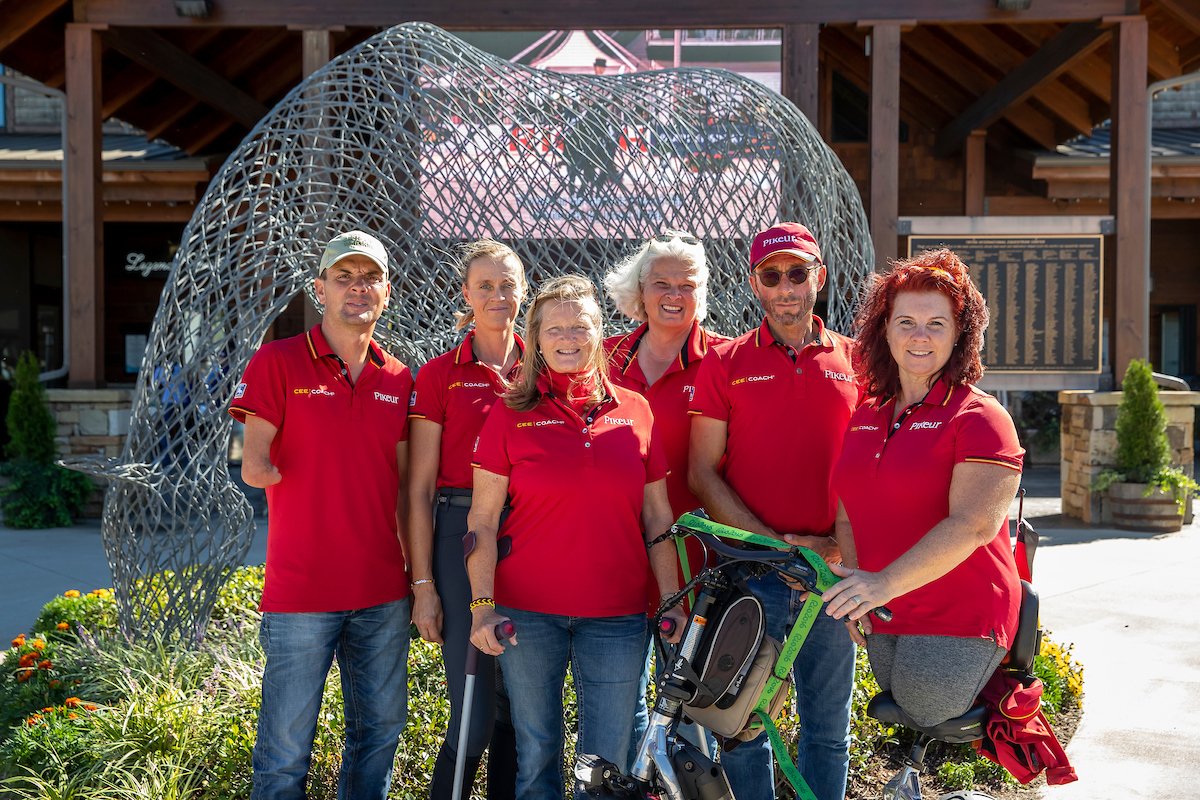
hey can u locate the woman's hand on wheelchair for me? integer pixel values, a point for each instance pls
(852, 598)
(483, 631)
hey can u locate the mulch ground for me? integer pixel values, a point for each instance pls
(887, 763)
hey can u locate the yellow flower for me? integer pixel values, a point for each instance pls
(71, 593)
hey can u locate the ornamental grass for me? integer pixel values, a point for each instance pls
(110, 718)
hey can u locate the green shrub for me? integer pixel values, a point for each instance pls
(1142, 447)
(39, 494)
(65, 614)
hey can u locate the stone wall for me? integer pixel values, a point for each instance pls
(1089, 445)
(91, 422)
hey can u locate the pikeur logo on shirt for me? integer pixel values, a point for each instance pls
(691, 391)
(241, 390)
(751, 379)
(541, 422)
(320, 390)
(394, 399)
(839, 376)
(924, 426)
(617, 420)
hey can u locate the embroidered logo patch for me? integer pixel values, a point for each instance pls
(924, 426)
(241, 390)
(412, 400)
(394, 399)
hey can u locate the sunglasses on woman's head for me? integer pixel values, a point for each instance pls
(666, 237)
(771, 277)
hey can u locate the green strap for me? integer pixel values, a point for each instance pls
(785, 760)
(681, 547)
(791, 647)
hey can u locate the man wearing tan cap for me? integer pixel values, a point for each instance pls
(768, 417)
(326, 435)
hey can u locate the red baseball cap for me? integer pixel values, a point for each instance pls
(786, 237)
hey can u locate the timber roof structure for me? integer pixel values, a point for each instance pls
(200, 83)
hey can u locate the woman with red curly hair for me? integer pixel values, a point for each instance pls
(928, 469)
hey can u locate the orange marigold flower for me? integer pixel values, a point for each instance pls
(71, 593)
(62, 626)
(45, 664)
(76, 682)
(28, 660)
(37, 644)
(71, 702)
(72, 715)
(19, 641)
(34, 719)
(48, 708)
(55, 684)
(23, 675)
(90, 706)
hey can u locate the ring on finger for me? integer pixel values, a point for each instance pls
(857, 600)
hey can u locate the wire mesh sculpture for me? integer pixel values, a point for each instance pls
(426, 141)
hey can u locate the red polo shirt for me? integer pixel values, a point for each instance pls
(897, 488)
(668, 398)
(577, 486)
(787, 412)
(331, 543)
(457, 392)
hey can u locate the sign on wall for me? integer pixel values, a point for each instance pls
(1043, 295)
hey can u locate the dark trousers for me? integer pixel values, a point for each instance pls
(490, 722)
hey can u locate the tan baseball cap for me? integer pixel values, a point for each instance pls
(353, 243)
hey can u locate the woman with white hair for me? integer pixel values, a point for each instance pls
(664, 286)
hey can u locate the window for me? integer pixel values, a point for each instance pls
(851, 107)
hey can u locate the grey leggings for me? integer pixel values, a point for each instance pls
(933, 678)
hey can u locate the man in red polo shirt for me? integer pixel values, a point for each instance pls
(326, 435)
(768, 416)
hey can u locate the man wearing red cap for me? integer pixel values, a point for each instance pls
(768, 416)
(327, 436)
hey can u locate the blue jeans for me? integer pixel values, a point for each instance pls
(824, 677)
(606, 656)
(371, 647)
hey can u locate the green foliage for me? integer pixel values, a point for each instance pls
(30, 423)
(65, 614)
(39, 494)
(1040, 425)
(1142, 448)
(150, 719)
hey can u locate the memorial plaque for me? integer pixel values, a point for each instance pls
(1043, 295)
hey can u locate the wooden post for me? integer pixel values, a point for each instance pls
(1129, 192)
(884, 136)
(318, 51)
(85, 208)
(801, 67)
(974, 166)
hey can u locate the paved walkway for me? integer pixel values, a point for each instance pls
(1128, 602)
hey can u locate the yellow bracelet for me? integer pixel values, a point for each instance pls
(481, 602)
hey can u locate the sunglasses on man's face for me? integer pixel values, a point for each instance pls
(666, 237)
(771, 277)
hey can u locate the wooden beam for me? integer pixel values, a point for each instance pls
(1091, 71)
(580, 14)
(801, 67)
(974, 172)
(1186, 11)
(21, 16)
(1128, 195)
(969, 75)
(155, 53)
(884, 138)
(85, 228)
(317, 52)
(1051, 60)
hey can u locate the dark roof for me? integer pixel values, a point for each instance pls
(1164, 142)
(26, 149)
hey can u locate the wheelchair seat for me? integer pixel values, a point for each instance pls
(1026, 643)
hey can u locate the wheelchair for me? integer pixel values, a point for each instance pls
(1026, 644)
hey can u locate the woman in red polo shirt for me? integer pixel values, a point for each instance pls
(452, 396)
(927, 472)
(584, 467)
(664, 286)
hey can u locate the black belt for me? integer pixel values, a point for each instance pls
(453, 496)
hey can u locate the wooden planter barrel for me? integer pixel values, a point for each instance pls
(1131, 511)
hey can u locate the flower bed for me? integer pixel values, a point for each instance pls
(85, 713)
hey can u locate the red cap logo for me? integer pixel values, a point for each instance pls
(786, 237)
